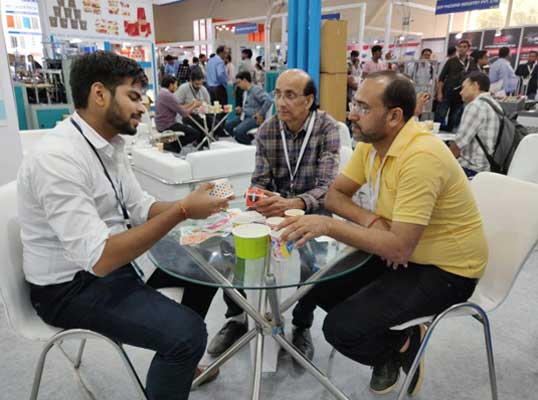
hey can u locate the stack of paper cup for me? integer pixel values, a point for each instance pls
(294, 212)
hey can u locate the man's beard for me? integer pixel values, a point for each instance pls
(366, 137)
(115, 119)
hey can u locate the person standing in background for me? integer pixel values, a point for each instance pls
(230, 68)
(184, 72)
(202, 58)
(217, 81)
(502, 70)
(259, 78)
(481, 59)
(171, 66)
(529, 75)
(449, 85)
(375, 64)
(353, 75)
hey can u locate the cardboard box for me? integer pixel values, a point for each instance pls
(333, 47)
(332, 94)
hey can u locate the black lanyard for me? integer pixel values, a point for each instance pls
(126, 216)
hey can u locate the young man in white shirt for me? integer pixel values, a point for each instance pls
(84, 220)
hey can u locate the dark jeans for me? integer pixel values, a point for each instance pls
(192, 135)
(469, 172)
(219, 93)
(363, 305)
(239, 129)
(454, 107)
(123, 308)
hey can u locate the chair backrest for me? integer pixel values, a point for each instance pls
(345, 156)
(525, 162)
(345, 137)
(508, 209)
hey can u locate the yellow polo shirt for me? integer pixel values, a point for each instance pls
(423, 184)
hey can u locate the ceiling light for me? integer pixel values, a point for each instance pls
(459, 35)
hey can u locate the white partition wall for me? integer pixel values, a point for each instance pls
(10, 145)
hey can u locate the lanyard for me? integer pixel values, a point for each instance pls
(465, 64)
(531, 70)
(124, 211)
(194, 94)
(373, 191)
(303, 148)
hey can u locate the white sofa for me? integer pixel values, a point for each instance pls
(168, 177)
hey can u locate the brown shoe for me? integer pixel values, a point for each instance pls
(210, 378)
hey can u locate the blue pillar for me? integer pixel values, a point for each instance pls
(314, 34)
(292, 33)
(302, 35)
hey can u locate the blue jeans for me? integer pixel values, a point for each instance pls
(123, 308)
(238, 129)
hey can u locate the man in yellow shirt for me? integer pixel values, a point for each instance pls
(419, 221)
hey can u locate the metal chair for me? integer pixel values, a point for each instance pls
(512, 233)
(16, 297)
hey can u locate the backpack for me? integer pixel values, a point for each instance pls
(508, 138)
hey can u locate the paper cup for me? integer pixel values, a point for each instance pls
(429, 124)
(273, 222)
(251, 241)
(243, 219)
(280, 249)
(436, 127)
(222, 189)
(294, 212)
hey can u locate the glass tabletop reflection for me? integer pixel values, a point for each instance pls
(317, 261)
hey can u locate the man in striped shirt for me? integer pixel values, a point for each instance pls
(297, 158)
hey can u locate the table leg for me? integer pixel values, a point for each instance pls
(258, 355)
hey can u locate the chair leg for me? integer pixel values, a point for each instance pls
(489, 351)
(39, 369)
(78, 360)
(132, 372)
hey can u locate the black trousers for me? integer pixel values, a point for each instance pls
(363, 305)
(192, 135)
(218, 93)
(125, 309)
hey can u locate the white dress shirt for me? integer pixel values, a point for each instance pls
(67, 207)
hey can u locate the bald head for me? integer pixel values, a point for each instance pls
(295, 96)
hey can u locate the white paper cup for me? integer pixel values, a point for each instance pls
(428, 124)
(280, 249)
(243, 219)
(436, 127)
(294, 212)
(273, 222)
(222, 189)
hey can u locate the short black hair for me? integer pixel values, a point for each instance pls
(354, 53)
(399, 92)
(478, 54)
(168, 80)
(310, 89)
(533, 52)
(425, 50)
(185, 62)
(451, 51)
(197, 74)
(221, 49)
(195, 60)
(259, 59)
(247, 52)
(244, 75)
(376, 48)
(480, 78)
(504, 52)
(202, 55)
(464, 41)
(102, 66)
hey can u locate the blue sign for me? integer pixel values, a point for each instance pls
(245, 28)
(455, 6)
(335, 16)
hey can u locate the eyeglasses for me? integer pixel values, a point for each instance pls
(358, 108)
(287, 96)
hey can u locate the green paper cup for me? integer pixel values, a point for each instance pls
(251, 241)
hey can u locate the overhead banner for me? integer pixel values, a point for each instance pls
(101, 19)
(494, 40)
(245, 28)
(456, 6)
(529, 42)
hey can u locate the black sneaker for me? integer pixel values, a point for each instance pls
(302, 339)
(416, 334)
(227, 336)
(385, 377)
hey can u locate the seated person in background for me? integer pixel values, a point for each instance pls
(256, 103)
(420, 223)
(301, 178)
(167, 108)
(479, 120)
(85, 220)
